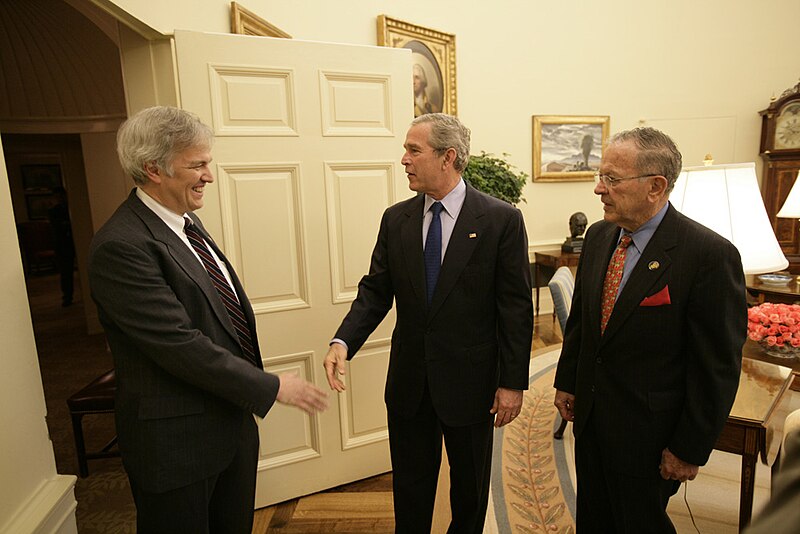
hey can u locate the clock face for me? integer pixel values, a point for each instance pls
(787, 127)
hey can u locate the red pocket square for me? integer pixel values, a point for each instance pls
(659, 299)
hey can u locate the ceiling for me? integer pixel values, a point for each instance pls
(56, 64)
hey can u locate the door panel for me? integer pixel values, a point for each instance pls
(308, 142)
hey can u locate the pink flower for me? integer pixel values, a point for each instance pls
(774, 324)
(772, 330)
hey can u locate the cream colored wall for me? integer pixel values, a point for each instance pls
(699, 70)
(106, 187)
(27, 466)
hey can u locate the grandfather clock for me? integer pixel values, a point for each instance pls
(780, 150)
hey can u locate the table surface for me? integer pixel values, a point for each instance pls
(791, 288)
(761, 399)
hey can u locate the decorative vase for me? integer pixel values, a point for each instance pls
(786, 352)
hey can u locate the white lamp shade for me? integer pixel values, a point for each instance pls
(791, 208)
(726, 199)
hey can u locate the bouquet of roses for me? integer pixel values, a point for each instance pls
(774, 324)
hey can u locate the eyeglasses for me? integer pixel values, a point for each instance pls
(610, 181)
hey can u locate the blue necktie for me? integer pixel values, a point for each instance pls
(433, 250)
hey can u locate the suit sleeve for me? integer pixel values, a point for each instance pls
(716, 328)
(567, 369)
(138, 305)
(514, 304)
(374, 298)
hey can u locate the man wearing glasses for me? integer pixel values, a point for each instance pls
(652, 348)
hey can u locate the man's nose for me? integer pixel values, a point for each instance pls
(600, 188)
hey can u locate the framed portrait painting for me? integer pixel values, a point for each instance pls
(434, 63)
(245, 22)
(568, 148)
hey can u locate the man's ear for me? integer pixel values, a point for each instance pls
(658, 187)
(449, 157)
(153, 171)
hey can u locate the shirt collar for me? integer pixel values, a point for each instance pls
(170, 218)
(452, 201)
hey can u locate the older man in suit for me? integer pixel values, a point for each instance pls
(652, 349)
(183, 336)
(455, 262)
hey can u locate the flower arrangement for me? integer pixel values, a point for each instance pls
(776, 327)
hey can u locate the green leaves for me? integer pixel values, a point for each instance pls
(495, 176)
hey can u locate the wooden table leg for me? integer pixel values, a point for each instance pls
(749, 459)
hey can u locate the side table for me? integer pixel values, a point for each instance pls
(788, 293)
(546, 263)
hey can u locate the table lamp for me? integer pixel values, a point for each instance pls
(726, 198)
(791, 208)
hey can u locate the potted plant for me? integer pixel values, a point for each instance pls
(495, 176)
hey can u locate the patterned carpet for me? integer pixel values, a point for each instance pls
(532, 474)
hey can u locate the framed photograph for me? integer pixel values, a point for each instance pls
(41, 177)
(245, 22)
(38, 204)
(568, 148)
(434, 71)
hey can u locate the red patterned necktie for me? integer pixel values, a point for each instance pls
(613, 278)
(226, 293)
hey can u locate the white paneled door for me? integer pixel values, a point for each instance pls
(308, 142)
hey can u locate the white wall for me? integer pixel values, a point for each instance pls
(33, 498)
(699, 70)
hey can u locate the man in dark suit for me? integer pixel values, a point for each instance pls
(648, 380)
(455, 262)
(188, 368)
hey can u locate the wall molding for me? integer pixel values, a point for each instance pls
(50, 510)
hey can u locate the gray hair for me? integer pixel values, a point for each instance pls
(447, 132)
(157, 135)
(658, 153)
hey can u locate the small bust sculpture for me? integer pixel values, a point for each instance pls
(577, 225)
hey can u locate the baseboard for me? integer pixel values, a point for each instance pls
(51, 510)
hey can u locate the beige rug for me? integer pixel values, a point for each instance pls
(533, 475)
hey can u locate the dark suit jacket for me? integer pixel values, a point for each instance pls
(184, 387)
(476, 334)
(661, 375)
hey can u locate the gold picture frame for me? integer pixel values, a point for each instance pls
(434, 70)
(245, 22)
(565, 147)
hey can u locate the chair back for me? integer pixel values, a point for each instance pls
(562, 286)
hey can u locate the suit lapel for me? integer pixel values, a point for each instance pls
(459, 248)
(185, 259)
(652, 267)
(411, 237)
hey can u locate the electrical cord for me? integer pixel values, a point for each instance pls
(686, 500)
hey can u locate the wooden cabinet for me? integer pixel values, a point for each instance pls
(780, 150)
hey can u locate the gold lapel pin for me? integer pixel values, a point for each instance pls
(653, 265)
(473, 235)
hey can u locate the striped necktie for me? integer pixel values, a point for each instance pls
(612, 281)
(224, 289)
